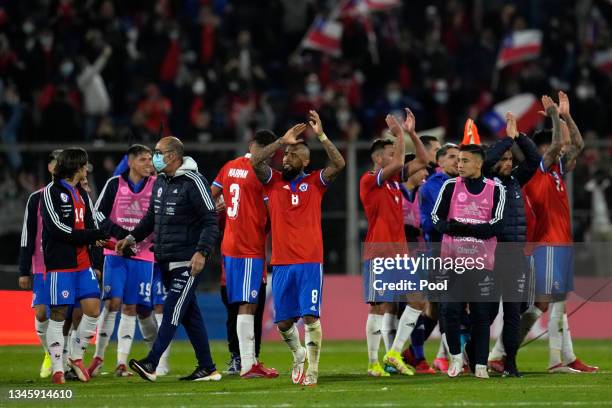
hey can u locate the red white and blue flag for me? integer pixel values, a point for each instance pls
(520, 46)
(325, 36)
(525, 108)
(603, 61)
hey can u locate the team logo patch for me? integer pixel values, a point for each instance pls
(124, 190)
(64, 197)
(159, 192)
(462, 197)
(254, 293)
(65, 294)
(303, 187)
(107, 289)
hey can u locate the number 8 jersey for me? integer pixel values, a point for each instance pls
(245, 224)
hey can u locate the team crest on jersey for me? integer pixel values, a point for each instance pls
(253, 293)
(303, 187)
(64, 197)
(65, 294)
(124, 190)
(159, 192)
(462, 197)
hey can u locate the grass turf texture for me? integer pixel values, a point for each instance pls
(342, 382)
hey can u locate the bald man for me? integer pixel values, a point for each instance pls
(182, 217)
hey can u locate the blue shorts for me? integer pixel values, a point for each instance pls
(159, 290)
(297, 290)
(128, 279)
(554, 270)
(66, 288)
(40, 292)
(243, 277)
(373, 283)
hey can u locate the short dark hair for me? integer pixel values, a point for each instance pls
(444, 149)
(409, 157)
(542, 137)
(53, 155)
(138, 149)
(264, 137)
(69, 161)
(474, 149)
(428, 140)
(379, 144)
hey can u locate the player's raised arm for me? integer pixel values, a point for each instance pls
(553, 151)
(335, 157)
(258, 160)
(399, 150)
(577, 144)
(421, 161)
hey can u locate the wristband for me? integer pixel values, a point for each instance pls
(322, 137)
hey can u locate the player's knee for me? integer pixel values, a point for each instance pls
(41, 313)
(58, 313)
(129, 310)
(247, 308)
(114, 305)
(284, 325)
(310, 319)
(143, 312)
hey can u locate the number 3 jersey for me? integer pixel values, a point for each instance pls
(246, 214)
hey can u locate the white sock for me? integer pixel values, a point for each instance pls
(148, 329)
(163, 360)
(71, 342)
(85, 333)
(528, 319)
(245, 329)
(41, 332)
(106, 327)
(443, 348)
(292, 338)
(555, 332)
(404, 328)
(567, 349)
(55, 344)
(66, 349)
(313, 338)
(388, 329)
(498, 352)
(373, 326)
(125, 337)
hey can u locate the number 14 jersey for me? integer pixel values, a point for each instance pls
(246, 214)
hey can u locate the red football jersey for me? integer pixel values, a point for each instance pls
(244, 235)
(383, 208)
(83, 261)
(547, 196)
(295, 214)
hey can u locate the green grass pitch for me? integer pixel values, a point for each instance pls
(342, 382)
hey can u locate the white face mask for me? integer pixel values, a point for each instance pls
(28, 27)
(199, 87)
(584, 91)
(46, 41)
(394, 96)
(313, 88)
(66, 68)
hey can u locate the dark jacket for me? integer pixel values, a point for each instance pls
(59, 238)
(427, 196)
(515, 223)
(439, 214)
(181, 214)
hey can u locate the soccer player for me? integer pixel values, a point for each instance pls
(381, 197)
(123, 202)
(297, 244)
(182, 215)
(447, 159)
(552, 234)
(32, 269)
(243, 247)
(69, 228)
(432, 145)
(469, 213)
(510, 264)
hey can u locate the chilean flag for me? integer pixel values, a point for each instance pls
(519, 46)
(324, 36)
(603, 61)
(525, 108)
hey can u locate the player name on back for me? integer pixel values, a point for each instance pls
(238, 173)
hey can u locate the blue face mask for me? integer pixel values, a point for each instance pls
(158, 162)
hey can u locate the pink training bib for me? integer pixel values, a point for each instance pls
(471, 209)
(128, 209)
(38, 258)
(412, 215)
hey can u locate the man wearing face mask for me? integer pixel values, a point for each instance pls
(510, 265)
(297, 243)
(182, 216)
